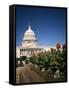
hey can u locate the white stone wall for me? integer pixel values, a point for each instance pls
(17, 53)
(29, 53)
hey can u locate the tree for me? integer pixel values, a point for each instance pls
(53, 50)
(23, 57)
(33, 59)
(58, 45)
(64, 46)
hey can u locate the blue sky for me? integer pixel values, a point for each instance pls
(49, 24)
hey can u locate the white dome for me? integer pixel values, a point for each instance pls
(29, 35)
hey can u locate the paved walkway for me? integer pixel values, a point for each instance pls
(27, 75)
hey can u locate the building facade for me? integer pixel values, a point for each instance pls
(29, 44)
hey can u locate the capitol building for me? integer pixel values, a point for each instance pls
(29, 44)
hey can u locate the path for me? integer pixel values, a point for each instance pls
(27, 75)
